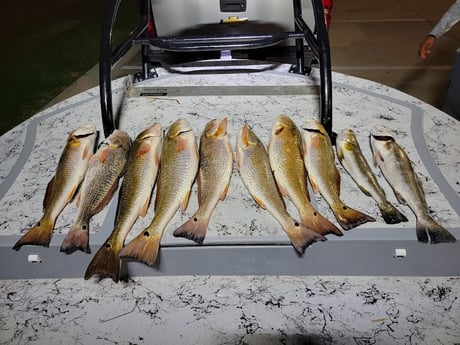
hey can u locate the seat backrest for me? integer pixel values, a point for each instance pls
(175, 16)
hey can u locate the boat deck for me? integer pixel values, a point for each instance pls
(242, 238)
(245, 284)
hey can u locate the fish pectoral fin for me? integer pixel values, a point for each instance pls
(184, 202)
(144, 148)
(181, 144)
(104, 202)
(85, 153)
(102, 155)
(376, 158)
(259, 202)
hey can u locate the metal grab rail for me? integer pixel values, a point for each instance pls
(319, 47)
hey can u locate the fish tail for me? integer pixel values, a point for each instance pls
(193, 229)
(437, 233)
(391, 214)
(76, 239)
(106, 263)
(143, 248)
(301, 237)
(350, 218)
(40, 234)
(319, 224)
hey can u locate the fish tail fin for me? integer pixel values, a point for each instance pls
(319, 224)
(437, 233)
(391, 214)
(76, 239)
(301, 237)
(40, 234)
(106, 263)
(350, 218)
(143, 248)
(193, 229)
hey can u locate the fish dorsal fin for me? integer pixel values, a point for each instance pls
(85, 153)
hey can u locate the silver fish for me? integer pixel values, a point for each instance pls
(398, 170)
(352, 159)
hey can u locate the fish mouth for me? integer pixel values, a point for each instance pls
(383, 137)
(312, 130)
(183, 131)
(84, 135)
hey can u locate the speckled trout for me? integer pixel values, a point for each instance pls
(70, 171)
(215, 170)
(100, 183)
(398, 170)
(285, 154)
(352, 159)
(255, 171)
(324, 175)
(178, 169)
(133, 202)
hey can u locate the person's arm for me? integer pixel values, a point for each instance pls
(448, 20)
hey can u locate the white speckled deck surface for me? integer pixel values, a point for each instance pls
(236, 309)
(232, 310)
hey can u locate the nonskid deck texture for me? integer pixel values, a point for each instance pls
(239, 230)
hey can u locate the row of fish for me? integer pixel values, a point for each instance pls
(282, 170)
